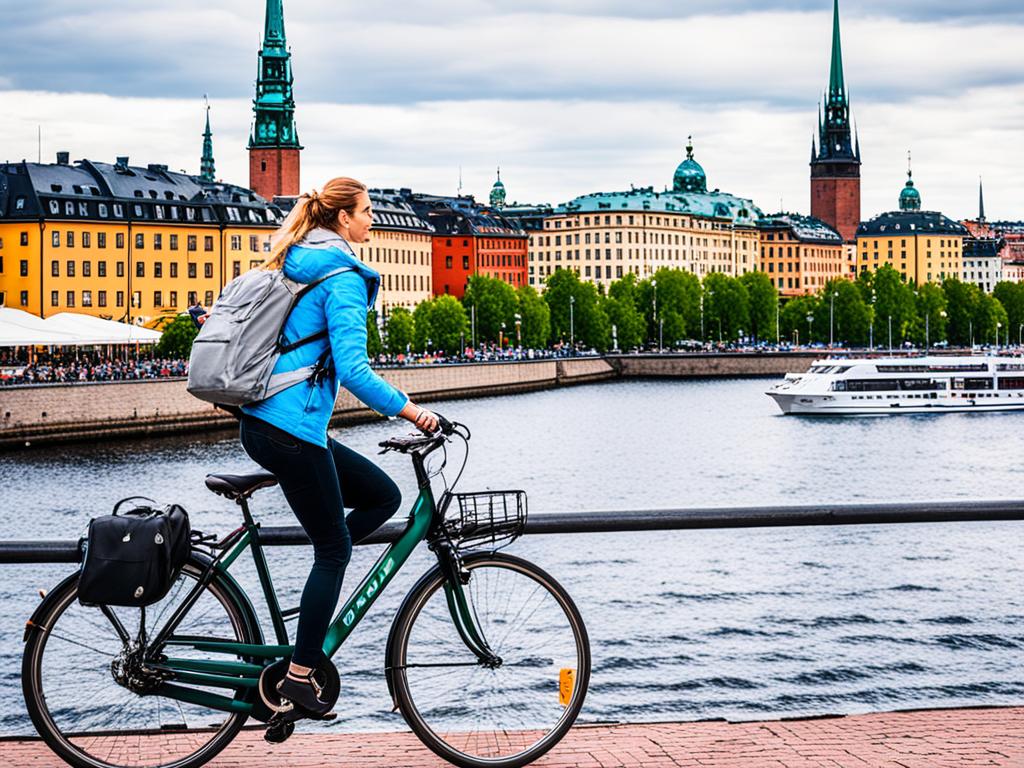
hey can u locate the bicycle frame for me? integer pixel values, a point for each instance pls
(425, 523)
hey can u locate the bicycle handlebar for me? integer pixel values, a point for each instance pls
(416, 443)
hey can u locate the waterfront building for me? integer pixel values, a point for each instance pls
(1012, 233)
(472, 239)
(121, 241)
(800, 254)
(605, 235)
(274, 141)
(835, 160)
(982, 250)
(923, 246)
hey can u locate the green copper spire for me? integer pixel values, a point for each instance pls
(836, 86)
(498, 192)
(910, 198)
(274, 105)
(207, 170)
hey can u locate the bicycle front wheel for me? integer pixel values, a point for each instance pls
(497, 716)
(83, 692)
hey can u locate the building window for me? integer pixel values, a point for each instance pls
(24, 238)
(192, 242)
(86, 269)
(86, 239)
(71, 239)
(119, 240)
(236, 268)
(174, 242)
(70, 268)
(158, 269)
(56, 239)
(208, 298)
(254, 243)
(54, 298)
(465, 262)
(136, 298)
(174, 299)
(140, 269)
(23, 268)
(157, 299)
(120, 270)
(86, 298)
(71, 299)
(208, 243)
(24, 298)
(174, 269)
(140, 240)
(192, 270)
(448, 262)
(236, 242)
(158, 242)
(192, 298)
(208, 269)
(120, 298)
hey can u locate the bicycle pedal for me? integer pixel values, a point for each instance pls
(279, 731)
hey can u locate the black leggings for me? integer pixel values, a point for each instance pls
(318, 484)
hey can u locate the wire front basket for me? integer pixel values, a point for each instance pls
(487, 519)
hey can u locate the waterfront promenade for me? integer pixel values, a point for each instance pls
(944, 738)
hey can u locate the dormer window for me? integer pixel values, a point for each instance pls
(83, 209)
(56, 187)
(103, 210)
(119, 210)
(19, 204)
(152, 193)
(69, 208)
(138, 193)
(54, 207)
(138, 211)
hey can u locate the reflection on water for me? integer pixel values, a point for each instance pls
(683, 624)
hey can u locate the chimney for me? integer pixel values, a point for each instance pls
(63, 158)
(122, 163)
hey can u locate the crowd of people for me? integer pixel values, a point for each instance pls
(83, 368)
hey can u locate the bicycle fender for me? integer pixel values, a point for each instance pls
(44, 604)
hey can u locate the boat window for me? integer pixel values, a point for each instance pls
(841, 369)
(1010, 367)
(922, 384)
(902, 368)
(976, 383)
(872, 385)
(959, 367)
(1011, 382)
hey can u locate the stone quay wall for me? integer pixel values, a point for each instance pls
(51, 413)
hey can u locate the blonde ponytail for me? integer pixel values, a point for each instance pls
(313, 209)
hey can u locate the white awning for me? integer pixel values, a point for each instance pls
(67, 329)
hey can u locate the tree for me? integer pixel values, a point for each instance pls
(678, 303)
(536, 317)
(373, 343)
(893, 299)
(400, 330)
(851, 318)
(793, 318)
(726, 306)
(495, 302)
(586, 320)
(623, 315)
(441, 324)
(990, 320)
(932, 315)
(764, 304)
(1011, 296)
(177, 338)
(961, 301)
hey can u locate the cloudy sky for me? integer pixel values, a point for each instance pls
(568, 96)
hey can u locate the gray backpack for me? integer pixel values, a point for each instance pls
(234, 355)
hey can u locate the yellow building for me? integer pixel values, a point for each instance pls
(121, 241)
(923, 246)
(800, 254)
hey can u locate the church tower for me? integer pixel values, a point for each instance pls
(835, 161)
(207, 169)
(498, 193)
(274, 143)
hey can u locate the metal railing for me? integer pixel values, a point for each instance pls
(64, 551)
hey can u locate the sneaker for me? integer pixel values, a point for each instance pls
(305, 692)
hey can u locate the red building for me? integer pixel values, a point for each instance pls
(471, 239)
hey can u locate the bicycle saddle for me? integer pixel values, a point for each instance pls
(239, 486)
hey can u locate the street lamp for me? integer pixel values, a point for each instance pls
(871, 326)
(890, 334)
(810, 319)
(970, 327)
(777, 331)
(1020, 335)
(654, 288)
(472, 317)
(831, 316)
(501, 337)
(998, 326)
(519, 329)
(572, 324)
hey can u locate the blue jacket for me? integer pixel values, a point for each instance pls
(339, 304)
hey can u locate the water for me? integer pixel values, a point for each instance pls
(741, 624)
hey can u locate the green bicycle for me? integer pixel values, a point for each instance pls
(487, 659)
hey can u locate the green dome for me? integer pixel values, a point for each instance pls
(689, 176)
(498, 193)
(910, 198)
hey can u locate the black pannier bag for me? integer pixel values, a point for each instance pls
(134, 557)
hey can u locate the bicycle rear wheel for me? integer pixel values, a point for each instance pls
(74, 658)
(480, 717)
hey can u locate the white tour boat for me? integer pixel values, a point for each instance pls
(859, 386)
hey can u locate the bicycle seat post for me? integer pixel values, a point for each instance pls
(246, 514)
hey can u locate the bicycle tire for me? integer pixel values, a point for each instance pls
(533, 693)
(80, 749)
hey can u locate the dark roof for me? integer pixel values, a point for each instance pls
(982, 247)
(910, 223)
(462, 216)
(119, 192)
(391, 211)
(806, 229)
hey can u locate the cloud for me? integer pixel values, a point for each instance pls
(552, 150)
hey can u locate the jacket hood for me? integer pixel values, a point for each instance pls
(322, 251)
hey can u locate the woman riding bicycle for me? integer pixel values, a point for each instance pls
(287, 433)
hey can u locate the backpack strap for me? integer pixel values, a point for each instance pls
(284, 346)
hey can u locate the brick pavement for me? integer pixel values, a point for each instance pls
(921, 739)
